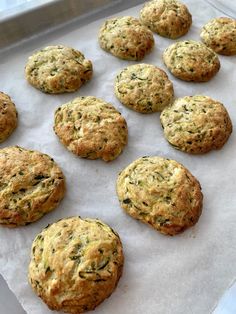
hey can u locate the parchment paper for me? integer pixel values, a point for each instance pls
(167, 275)
(225, 6)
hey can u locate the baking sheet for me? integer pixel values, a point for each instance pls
(167, 275)
(29, 19)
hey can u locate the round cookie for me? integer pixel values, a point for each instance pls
(91, 128)
(160, 192)
(168, 18)
(191, 61)
(196, 124)
(126, 38)
(220, 35)
(75, 264)
(8, 117)
(31, 185)
(58, 69)
(144, 88)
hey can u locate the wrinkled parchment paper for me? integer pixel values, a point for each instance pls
(224, 6)
(167, 275)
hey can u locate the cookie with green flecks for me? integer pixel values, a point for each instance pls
(91, 128)
(168, 18)
(31, 185)
(58, 69)
(75, 264)
(126, 38)
(220, 35)
(196, 124)
(191, 61)
(144, 88)
(8, 117)
(160, 192)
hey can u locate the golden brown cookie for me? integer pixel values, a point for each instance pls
(168, 18)
(196, 124)
(75, 264)
(160, 192)
(144, 88)
(58, 69)
(8, 117)
(220, 35)
(126, 38)
(91, 128)
(191, 61)
(31, 185)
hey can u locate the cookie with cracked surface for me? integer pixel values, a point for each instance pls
(31, 185)
(220, 35)
(160, 192)
(8, 117)
(58, 69)
(196, 124)
(191, 61)
(126, 38)
(144, 88)
(168, 18)
(75, 264)
(91, 128)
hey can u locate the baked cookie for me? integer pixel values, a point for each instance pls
(8, 117)
(191, 61)
(91, 128)
(75, 264)
(31, 185)
(58, 69)
(220, 35)
(160, 192)
(126, 38)
(196, 124)
(168, 18)
(144, 88)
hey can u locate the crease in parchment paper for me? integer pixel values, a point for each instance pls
(165, 275)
